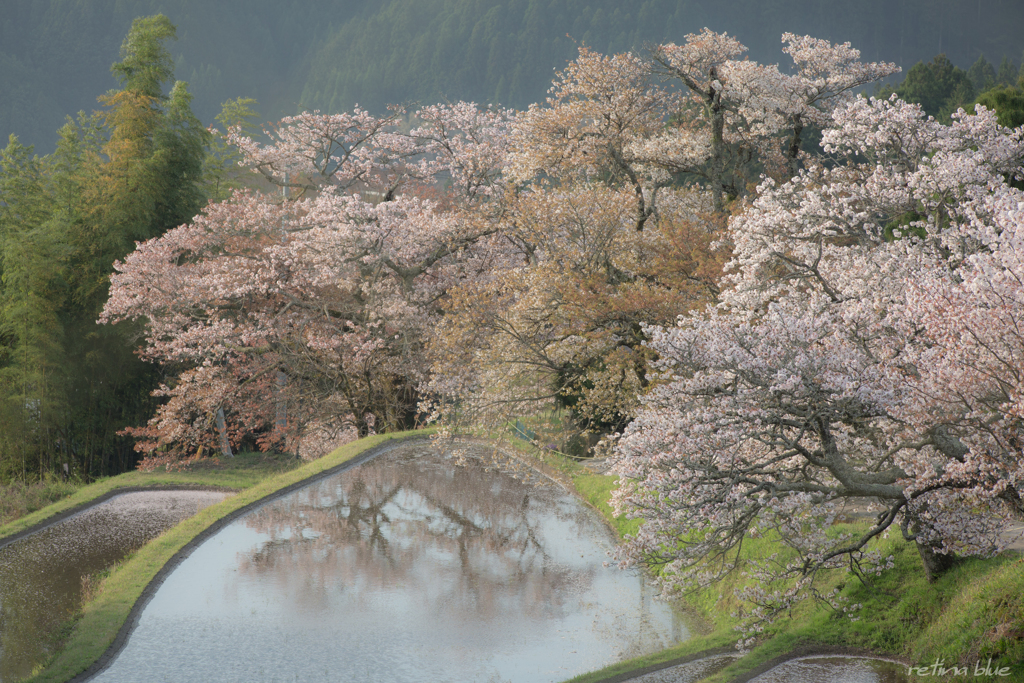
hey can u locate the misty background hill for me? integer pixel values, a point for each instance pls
(292, 55)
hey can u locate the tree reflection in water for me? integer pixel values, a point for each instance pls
(381, 525)
(408, 568)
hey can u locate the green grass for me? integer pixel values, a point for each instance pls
(597, 489)
(18, 499)
(956, 620)
(982, 618)
(973, 612)
(102, 617)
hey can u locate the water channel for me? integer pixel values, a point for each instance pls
(809, 669)
(41, 576)
(409, 567)
(690, 672)
(828, 669)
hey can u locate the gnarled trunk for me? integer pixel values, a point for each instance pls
(935, 563)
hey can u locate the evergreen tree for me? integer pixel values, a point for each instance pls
(938, 86)
(145, 63)
(1008, 104)
(30, 330)
(134, 170)
(982, 74)
(222, 172)
(1007, 74)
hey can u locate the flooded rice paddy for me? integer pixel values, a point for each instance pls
(409, 567)
(690, 672)
(826, 669)
(42, 576)
(810, 669)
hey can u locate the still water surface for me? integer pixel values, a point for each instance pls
(41, 575)
(690, 672)
(825, 669)
(812, 669)
(406, 568)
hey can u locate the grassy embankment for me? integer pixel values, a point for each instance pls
(18, 499)
(974, 612)
(101, 618)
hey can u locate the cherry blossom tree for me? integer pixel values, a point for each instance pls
(749, 112)
(523, 253)
(866, 348)
(602, 112)
(614, 150)
(558, 327)
(309, 315)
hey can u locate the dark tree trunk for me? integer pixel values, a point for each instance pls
(935, 563)
(794, 147)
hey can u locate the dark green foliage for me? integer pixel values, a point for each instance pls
(30, 327)
(145, 63)
(1002, 92)
(1007, 74)
(1008, 104)
(982, 74)
(504, 52)
(221, 172)
(939, 87)
(130, 172)
(180, 145)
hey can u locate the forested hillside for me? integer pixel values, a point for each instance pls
(331, 54)
(55, 55)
